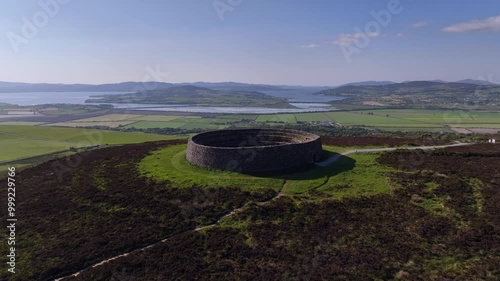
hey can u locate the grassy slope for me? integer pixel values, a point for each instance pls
(31, 141)
(169, 164)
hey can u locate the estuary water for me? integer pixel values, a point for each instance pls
(303, 100)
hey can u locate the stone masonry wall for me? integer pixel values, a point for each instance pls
(254, 150)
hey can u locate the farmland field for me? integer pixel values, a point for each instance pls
(111, 117)
(154, 118)
(21, 123)
(19, 148)
(19, 142)
(203, 126)
(111, 124)
(313, 117)
(383, 119)
(156, 124)
(286, 118)
(398, 119)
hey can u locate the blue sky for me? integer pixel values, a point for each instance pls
(314, 42)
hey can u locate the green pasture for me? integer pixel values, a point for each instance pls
(156, 124)
(442, 116)
(238, 117)
(361, 118)
(111, 124)
(318, 116)
(286, 118)
(20, 123)
(404, 119)
(19, 141)
(155, 118)
(15, 147)
(353, 175)
(110, 118)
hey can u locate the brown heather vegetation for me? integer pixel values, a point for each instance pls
(383, 237)
(103, 208)
(442, 224)
(380, 141)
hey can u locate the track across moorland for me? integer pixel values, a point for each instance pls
(336, 157)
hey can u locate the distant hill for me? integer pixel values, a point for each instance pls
(234, 86)
(476, 82)
(404, 88)
(193, 95)
(420, 94)
(45, 87)
(127, 86)
(368, 83)
(130, 86)
(14, 87)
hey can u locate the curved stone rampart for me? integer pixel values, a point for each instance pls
(254, 150)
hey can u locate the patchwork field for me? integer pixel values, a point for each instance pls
(286, 118)
(384, 119)
(111, 118)
(399, 119)
(156, 124)
(111, 124)
(154, 118)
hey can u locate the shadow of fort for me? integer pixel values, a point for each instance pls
(312, 171)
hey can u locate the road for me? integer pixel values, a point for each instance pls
(336, 157)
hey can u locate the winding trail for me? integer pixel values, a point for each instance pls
(336, 157)
(235, 211)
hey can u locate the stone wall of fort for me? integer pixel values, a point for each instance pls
(254, 150)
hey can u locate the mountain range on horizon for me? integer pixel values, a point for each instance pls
(130, 86)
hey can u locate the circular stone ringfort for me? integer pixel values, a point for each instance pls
(254, 150)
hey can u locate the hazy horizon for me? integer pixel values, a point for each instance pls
(486, 79)
(318, 43)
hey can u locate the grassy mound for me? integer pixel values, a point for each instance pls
(353, 175)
